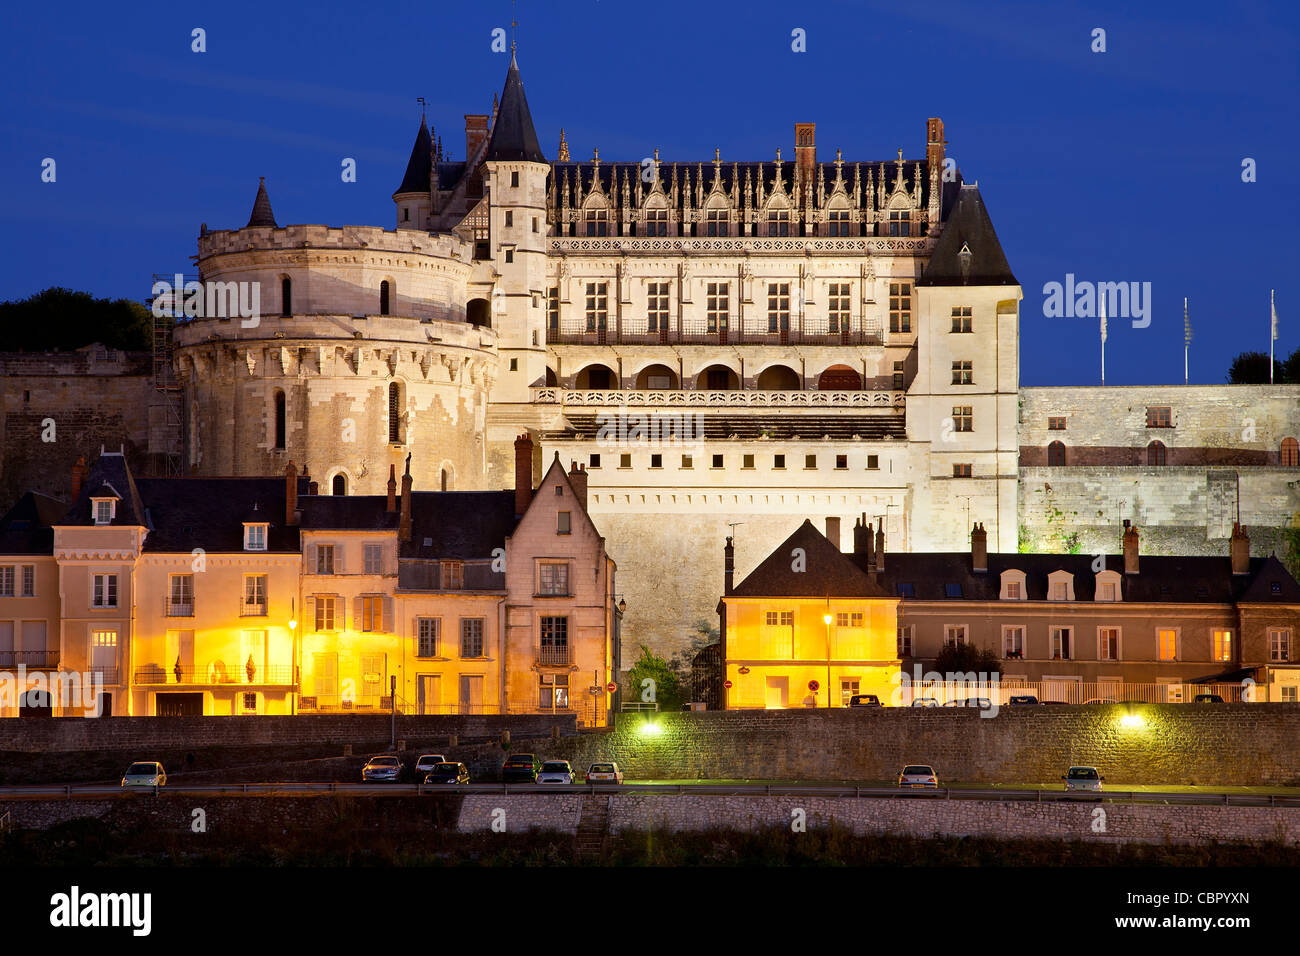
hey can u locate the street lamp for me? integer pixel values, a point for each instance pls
(827, 618)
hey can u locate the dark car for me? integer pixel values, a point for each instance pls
(864, 700)
(1207, 699)
(521, 768)
(448, 774)
(1022, 700)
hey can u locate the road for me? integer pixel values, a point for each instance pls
(1236, 797)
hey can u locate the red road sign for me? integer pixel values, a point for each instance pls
(727, 684)
(611, 687)
(813, 685)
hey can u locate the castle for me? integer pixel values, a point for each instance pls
(726, 348)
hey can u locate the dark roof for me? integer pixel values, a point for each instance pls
(27, 528)
(346, 513)
(968, 227)
(827, 571)
(1271, 572)
(262, 215)
(460, 525)
(513, 136)
(420, 164)
(783, 425)
(109, 469)
(209, 513)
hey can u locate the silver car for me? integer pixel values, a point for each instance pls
(382, 770)
(556, 771)
(425, 764)
(147, 773)
(918, 775)
(1083, 778)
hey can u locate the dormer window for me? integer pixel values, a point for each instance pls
(254, 537)
(1060, 586)
(1013, 586)
(104, 509)
(1108, 586)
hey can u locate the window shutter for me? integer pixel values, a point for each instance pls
(309, 613)
(356, 614)
(339, 549)
(311, 559)
(415, 632)
(388, 615)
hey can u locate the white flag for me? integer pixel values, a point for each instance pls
(1102, 304)
(1274, 307)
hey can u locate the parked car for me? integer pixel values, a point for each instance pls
(556, 771)
(1056, 703)
(1207, 699)
(1101, 700)
(521, 768)
(864, 700)
(382, 769)
(604, 773)
(924, 702)
(918, 775)
(1022, 700)
(983, 703)
(1082, 778)
(425, 763)
(448, 773)
(146, 773)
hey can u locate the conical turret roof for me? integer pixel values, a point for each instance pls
(513, 136)
(262, 215)
(418, 166)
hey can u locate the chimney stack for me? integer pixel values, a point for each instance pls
(728, 567)
(869, 546)
(523, 473)
(1130, 549)
(392, 489)
(476, 130)
(404, 522)
(979, 548)
(880, 547)
(934, 144)
(1240, 550)
(805, 152)
(78, 477)
(290, 495)
(833, 531)
(578, 479)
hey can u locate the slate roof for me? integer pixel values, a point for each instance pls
(828, 572)
(209, 513)
(420, 164)
(262, 215)
(968, 227)
(28, 527)
(513, 136)
(109, 469)
(459, 525)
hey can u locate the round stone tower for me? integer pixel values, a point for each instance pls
(359, 354)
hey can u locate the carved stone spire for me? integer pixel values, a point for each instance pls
(563, 151)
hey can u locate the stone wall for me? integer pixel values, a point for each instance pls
(38, 735)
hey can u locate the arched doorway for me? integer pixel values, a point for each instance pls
(656, 376)
(1156, 453)
(839, 378)
(779, 378)
(1056, 454)
(717, 378)
(478, 312)
(596, 377)
(339, 486)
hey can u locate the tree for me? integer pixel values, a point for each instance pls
(1251, 368)
(963, 657)
(1291, 369)
(666, 691)
(60, 319)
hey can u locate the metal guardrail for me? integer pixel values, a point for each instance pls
(91, 791)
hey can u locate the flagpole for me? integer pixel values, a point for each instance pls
(1187, 339)
(1103, 342)
(1272, 333)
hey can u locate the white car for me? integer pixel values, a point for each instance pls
(1083, 778)
(604, 773)
(555, 771)
(918, 775)
(382, 769)
(147, 773)
(424, 766)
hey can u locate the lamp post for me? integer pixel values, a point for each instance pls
(827, 618)
(293, 654)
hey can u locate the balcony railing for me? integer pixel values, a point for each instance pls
(216, 672)
(247, 609)
(554, 655)
(738, 245)
(698, 336)
(29, 659)
(779, 398)
(173, 608)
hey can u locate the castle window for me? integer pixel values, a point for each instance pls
(534, 224)
(553, 309)
(778, 222)
(841, 462)
(279, 420)
(597, 306)
(1290, 457)
(900, 307)
(1160, 416)
(1056, 423)
(962, 418)
(383, 297)
(837, 305)
(961, 319)
(597, 222)
(1056, 454)
(873, 462)
(339, 485)
(657, 307)
(394, 413)
(514, 182)
(898, 375)
(593, 461)
(900, 222)
(1156, 454)
(406, 214)
(837, 222)
(1013, 585)
(656, 222)
(510, 218)
(717, 306)
(962, 373)
(286, 296)
(809, 461)
(778, 307)
(443, 481)
(961, 471)
(716, 222)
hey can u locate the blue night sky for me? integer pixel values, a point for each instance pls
(1116, 166)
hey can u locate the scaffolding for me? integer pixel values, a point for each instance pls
(166, 421)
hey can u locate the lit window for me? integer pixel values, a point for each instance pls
(324, 613)
(372, 612)
(1279, 644)
(427, 633)
(1062, 638)
(1222, 645)
(1167, 644)
(1108, 643)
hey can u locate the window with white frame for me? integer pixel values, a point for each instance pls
(597, 306)
(1279, 644)
(324, 559)
(255, 537)
(1108, 587)
(325, 610)
(717, 306)
(1062, 640)
(374, 559)
(1013, 641)
(254, 595)
(954, 633)
(104, 590)
(657, 307)
(553, 578)
(849, 618)
(1060, 586)
(554, 690)
(428, 632)
(837, 306)
(1108, 643)
(1013, 585)
(180, 601)
(849, 687)
(104, 510)
(905, 640)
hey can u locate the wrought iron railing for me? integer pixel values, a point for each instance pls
(554, 655)
(41, 659)
(217, 672)
(791, 398)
